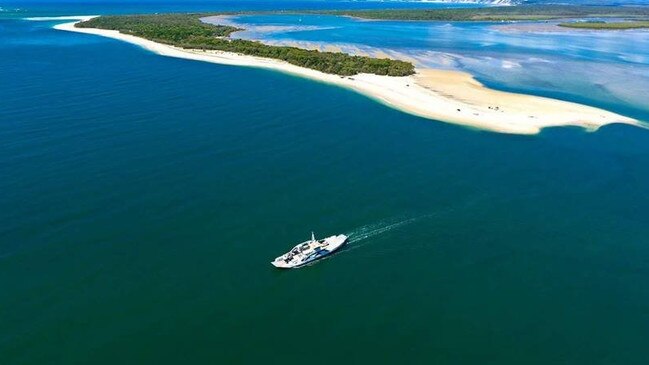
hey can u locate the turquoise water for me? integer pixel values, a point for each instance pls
(143, 198)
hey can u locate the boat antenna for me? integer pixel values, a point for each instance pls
(312, 236)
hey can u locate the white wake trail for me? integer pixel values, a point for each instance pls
(373, 230)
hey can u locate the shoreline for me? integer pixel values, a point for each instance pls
(447, 96)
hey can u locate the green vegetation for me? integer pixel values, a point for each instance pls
(505, 13)
(607, 26)
(165, 27)
(187, 31)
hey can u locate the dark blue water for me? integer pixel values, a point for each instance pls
(142, 199)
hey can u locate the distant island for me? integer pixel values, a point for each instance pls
(187, 31)
(500, 13)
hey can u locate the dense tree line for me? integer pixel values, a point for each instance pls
(170, 27)
(606, 25)
(187, 31)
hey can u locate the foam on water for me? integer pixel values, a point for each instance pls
(376, 229)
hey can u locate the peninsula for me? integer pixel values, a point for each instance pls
(448, 96)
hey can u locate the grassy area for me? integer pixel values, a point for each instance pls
(507, 13)
(187, 31)
(606, 25)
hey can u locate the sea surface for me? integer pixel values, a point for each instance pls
(142, 199)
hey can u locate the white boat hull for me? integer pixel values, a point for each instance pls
(309, 251)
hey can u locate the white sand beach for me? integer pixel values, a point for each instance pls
(448, 96)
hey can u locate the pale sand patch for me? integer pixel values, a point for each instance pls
(448, 96)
